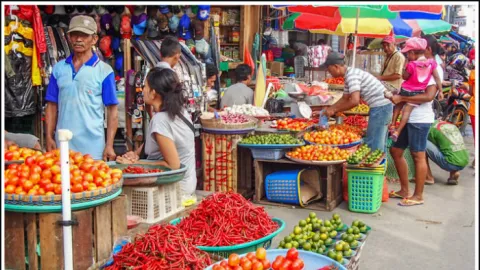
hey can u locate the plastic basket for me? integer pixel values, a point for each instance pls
(284, 186)
(252, 246)
(365, 189)
(154, 204)
(268, 154)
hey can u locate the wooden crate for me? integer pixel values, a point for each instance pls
(93, 237)
(331, 182)
(225, 165)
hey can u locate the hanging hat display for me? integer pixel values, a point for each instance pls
(116, 44)
(139, 10)
(116, 24)
(105, 46)
(203, 12)
(49, 9)
(69, 9)
(131, 8)
(125, 27)
(80, 9)
(119, 63)
(152, 11)
(110, 9)
(119, 9)
(184, 27)
(88, 9)
(176, 9)
(139, 24)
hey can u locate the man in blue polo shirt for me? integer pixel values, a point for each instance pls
(80, 86)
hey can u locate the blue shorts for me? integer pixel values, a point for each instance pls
(413, 136)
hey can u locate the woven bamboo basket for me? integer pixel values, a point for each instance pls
(208, 121)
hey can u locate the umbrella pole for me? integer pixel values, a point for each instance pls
(64, 136)
(356, 37)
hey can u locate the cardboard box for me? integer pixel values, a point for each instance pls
(276, 68)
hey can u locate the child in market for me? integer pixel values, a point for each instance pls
(417, 74)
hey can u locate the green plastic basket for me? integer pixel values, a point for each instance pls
(365, 189)
(252, 246)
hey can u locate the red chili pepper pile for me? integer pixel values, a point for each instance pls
(139, 170)
(226, 219)
(356, 120)
(162, 247)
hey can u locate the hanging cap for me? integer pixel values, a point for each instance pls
(49, 9)
(414, 43)
(100, 10)
(119, 9)
(80, 9)
(194, 9)
(152, 27)
(110, 9)
(69, 9)
(106, 23)
(173, 23)
(116, 23)
(176, 9)
(139, 10)
(125, 28)
(119, 63)
(84, 24)
(105, 46)
(203, 12)
(131, 8)
(184, 27)
(54, 20)
(164, 9)
(88, 9)
(152, 11)
(139, 24)
(115, 43)
(334, 58)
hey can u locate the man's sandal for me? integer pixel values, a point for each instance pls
(452, 182)
(394, 195)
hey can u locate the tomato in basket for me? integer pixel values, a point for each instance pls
(140, 170)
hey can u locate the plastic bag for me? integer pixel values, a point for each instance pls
(117, 247)
(323, 123)
(274, 105)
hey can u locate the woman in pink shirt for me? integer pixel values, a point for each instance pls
(417, 74)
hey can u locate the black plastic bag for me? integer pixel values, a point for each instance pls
(275, 105)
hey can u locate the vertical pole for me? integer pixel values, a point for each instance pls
(355, 40)
(64, 136)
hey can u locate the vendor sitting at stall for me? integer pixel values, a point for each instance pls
(446, 148)
(393, 67)
(361, 84)
(170, 137)
(239, 93)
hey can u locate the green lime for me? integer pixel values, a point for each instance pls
(339, 257)
(346, 247)
(360, 223)
(328, 242)
(323, 236)
(312, 215)
(288, 245)
(282, 243)
(316, 227)
(336, 216)
(363, 229)
(333, 234)
(339, 221)
(307, 246)
(298, 237)
(308, 220)
(356, 231)
(297, 230)
(301, 242)
(340, 227)
(295, 244)
(347, 253)
(316, 238)
(344, 237)
(355, 223)
(323, 229)
(314, 220)
(320, 221)
(350, 230)
(338, 247)
(331, 254)
(302, 223)
(327, 223)
(292, 235)
(288, 239)
(350, 239)
(354, 244)
(320, 242)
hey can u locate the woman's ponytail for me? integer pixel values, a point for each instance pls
(166, 83)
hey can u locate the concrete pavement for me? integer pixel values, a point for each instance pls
(437, 235)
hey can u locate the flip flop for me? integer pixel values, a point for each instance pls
(426, 182)
(452, 182)
(394, 195)
(409, 202)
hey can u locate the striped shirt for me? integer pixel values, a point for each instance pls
(371, 89)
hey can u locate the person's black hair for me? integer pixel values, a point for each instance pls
(165, 82)
(441, 51)
(170, 47)
(418, 52)
(242, 72)
(432, 43)
(321, 42)
(211, 70)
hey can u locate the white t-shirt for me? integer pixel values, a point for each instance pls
(424, 112)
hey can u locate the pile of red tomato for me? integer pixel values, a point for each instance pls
(339, 80)
(259, 261)
(40, 174)
(15, 153)
(298, 124)
(332, 136)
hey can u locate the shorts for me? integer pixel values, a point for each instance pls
(407, 93)
(414, 136)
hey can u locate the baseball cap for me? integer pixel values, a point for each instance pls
(164, 9)
(414, 44)
(388, 39)
(176, 9)
(105, 46)
(84, 24)
(100, 10)
(106, 23)
(89, 9)
(334, 58)
(119, 63)
(131, 8)
(173, 23)
(116, 23)
(203, 12)
(69, 9)
(184, 27)
(125, 28)
(50, 9)
(139, 24)
(116, 43)
(80, 9)
(152, 27)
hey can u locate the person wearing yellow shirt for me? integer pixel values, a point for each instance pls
(471, 111)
